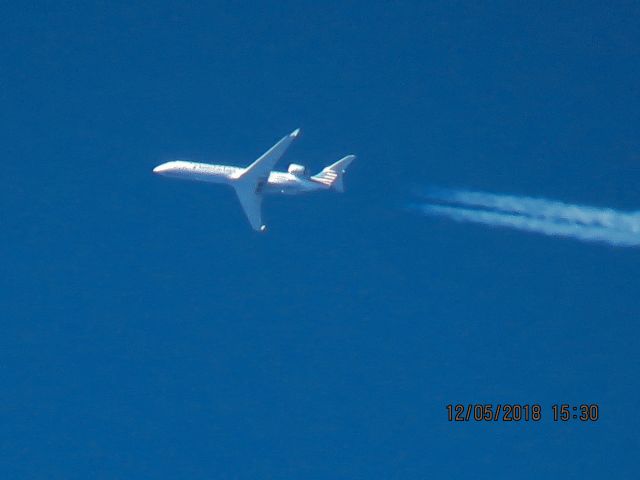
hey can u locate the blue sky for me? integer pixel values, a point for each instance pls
(147, 332)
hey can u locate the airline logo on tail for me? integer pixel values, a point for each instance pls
(326, 177)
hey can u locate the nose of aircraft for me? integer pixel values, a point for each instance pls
(161, 168)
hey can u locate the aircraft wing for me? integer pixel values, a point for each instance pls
(259, 170)
(251, 204)
(249, 181)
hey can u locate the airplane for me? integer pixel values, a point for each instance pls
(256, 180)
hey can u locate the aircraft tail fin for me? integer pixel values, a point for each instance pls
(332, 175)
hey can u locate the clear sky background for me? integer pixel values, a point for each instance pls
(147, 332)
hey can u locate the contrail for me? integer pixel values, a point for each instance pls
(538, 215)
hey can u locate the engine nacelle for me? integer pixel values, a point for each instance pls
(297, 170)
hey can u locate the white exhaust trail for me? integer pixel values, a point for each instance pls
(538, 215)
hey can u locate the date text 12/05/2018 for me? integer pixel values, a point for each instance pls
(521, 412)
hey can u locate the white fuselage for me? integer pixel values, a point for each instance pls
(278, 182)
(252, 182)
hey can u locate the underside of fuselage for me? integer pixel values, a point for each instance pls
(288, 184)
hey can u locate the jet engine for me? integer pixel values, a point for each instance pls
(297, 170)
